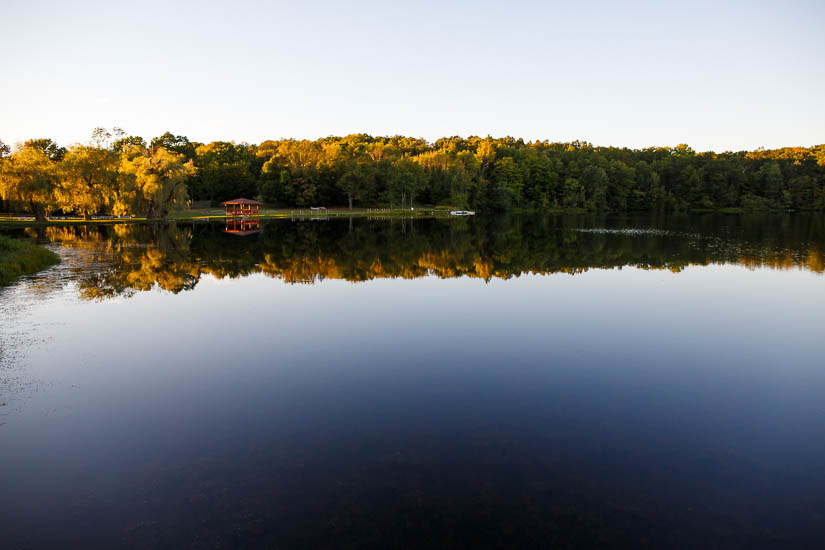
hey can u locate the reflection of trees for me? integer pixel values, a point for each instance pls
(124, 259)
(163, 260)
(129, 258)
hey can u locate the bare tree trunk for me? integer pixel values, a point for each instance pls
(39, 212)
(349, 198)
(152, 213)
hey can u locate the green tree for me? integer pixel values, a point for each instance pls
(594, 181)
(175, 144)
(407, 178)
(223, 172)
(356, 179)
(621, 180)
(463, 173)
(124, 143)
(276, 184)
(508, 181)
(770, 180)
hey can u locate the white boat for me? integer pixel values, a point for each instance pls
(462, 213)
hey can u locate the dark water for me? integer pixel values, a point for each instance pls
(521, 382)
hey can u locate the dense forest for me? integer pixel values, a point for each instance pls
(117, 174)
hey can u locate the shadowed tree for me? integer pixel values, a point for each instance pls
(508, 179)
(175, 144)
(47, 146)
(355, 175)
(407, 177)
(594, 180)
(770, 180)
(123, 144)
(223, 172)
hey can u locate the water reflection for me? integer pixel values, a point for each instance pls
(242, 227)
(616, 408)
(133, 258)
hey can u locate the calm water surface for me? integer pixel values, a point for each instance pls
(504, 382)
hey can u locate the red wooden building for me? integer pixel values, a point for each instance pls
(242, 207)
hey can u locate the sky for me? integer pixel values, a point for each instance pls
(715, 75)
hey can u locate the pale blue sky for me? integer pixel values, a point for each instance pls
(716, 75)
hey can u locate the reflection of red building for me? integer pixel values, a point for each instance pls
(242, 227)
(242, 207)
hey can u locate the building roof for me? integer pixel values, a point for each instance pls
(241, 201)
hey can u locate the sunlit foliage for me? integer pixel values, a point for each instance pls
(88, 180)
(29, 177)
(154, 182)
(482, 173)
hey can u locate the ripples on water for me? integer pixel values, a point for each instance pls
(633, 231)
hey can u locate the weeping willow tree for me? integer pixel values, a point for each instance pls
(153, 182)
(29, 177)
(88, 179)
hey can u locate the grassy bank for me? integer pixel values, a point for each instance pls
(306, 213)
(21, 258)
(265, 213)
(275, 213)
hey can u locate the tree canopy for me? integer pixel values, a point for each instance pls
(483, 173)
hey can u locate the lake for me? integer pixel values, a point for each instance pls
(511, 381)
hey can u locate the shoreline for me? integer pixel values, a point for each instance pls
(19, 258)
(215, 214)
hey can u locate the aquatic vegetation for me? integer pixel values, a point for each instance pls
(22, 258)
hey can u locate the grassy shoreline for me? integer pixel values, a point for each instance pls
(218, 214)
(18, 258)
(281, 213)
(265, 214)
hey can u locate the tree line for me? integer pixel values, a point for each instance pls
(117, 174)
